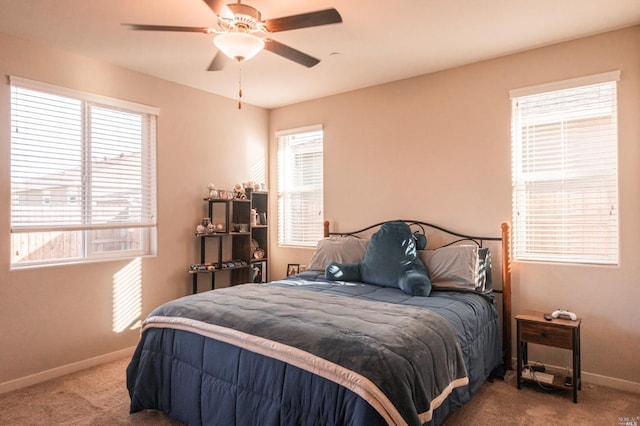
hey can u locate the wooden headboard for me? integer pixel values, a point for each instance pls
(504, 243)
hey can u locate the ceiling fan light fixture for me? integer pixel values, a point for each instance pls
(239, 45)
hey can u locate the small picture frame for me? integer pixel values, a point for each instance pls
(293, 268)
(257, 272)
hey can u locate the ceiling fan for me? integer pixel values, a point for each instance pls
(243, 33)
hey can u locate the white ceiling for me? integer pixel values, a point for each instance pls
(377, 42)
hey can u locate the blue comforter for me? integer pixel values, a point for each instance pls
(182, 371)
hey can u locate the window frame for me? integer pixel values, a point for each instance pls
(313, 231)
(560, 171)
(81, 230)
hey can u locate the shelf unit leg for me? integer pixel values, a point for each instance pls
(518, 356)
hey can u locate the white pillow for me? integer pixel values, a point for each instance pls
(339, 250)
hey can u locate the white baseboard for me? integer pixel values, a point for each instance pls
(63, 370)
(598, 379)
(611, 382)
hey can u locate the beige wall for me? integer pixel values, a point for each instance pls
(437, 148)
(53, 318)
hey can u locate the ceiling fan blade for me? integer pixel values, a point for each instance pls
(304, 20)
(289, 53)
(143, 27)
(220, 8)
(218, 62)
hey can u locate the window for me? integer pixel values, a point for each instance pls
(565, 171)
(300, 187)
(83, 179)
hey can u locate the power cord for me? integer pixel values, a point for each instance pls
(536, 367)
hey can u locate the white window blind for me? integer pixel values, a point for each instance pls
(300, 187)
(83, 179)
(565, 171)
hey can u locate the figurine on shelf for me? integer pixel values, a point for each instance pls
(203, 226)
(213, 192)
(252, 186)
(254, 217)
(258, 253)
(211, 228)
(240, 192)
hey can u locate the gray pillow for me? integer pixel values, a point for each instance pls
(337, 250)
(464, 267)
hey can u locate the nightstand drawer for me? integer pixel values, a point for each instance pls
(546, 334)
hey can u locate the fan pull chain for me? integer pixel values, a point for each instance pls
(239, 85)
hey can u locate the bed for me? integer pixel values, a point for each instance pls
(308, 350)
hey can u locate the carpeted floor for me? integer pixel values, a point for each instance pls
(98, 396)
(501, 403)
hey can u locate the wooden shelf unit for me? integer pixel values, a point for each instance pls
(242, 267)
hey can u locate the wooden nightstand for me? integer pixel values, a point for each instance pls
(560, 333)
